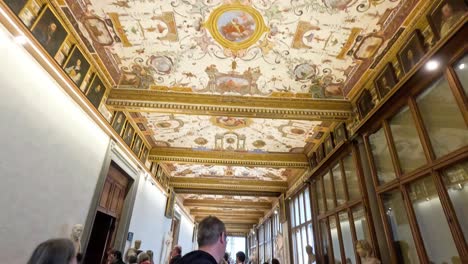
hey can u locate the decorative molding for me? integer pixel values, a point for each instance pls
(229, 191)
(227, 204)
(228, 185)
(237, 106)
(229, 158)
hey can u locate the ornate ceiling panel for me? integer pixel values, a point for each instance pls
(226, 172)
(230, 133)
(228, 198)
(306, 48)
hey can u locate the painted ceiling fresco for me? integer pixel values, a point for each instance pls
(239, 172)
(229, 133)
(228, 198)
(310, 48)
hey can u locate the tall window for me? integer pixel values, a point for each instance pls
(341, 215)
(301, 226)
(418, 157)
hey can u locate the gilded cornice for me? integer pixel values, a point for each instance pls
(232, 219)
(227, 192)
(233, 185)
(237, 106)
(221, 213)
(229, 158)
(226, 204)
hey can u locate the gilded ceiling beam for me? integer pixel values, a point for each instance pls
(228, 186)
(229, 158)
(226, 204)
(227, 191)
(223, 213)
(232, 220)
(235, 106)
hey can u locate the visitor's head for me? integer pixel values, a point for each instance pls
(275, 261)
(54, 251)
(177, 250)
(132, 259)
(116, 255)
(240, 257)
(143, 257)
(212, 235)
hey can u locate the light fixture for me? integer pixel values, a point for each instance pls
(461, 66)
(276, 211)
(20, 39)
(432, 65)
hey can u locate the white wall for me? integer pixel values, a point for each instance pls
(185, 234)
(50, 158)
(148, 223)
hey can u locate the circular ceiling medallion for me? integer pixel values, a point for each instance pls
(236, 26)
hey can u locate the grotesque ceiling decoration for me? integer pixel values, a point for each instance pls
(228, 50)
(315, 49)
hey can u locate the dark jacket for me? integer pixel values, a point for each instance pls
(197, 257)
(175, 259)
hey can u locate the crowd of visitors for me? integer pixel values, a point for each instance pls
(211, 238)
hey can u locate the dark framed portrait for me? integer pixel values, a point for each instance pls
(96, 91)
(118, 122)
(320, 153)
(16, 5)
(412, 52)
(443, 17)
(313, 160)
(385, 81)
(128, 134)
(339, 133)
(76, 66)
(154, 168)
(144, 154)
(49, 31)
(137, 142)
(169, 212)
(364, 103)
(328, 144)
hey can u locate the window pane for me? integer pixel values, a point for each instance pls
(329, 191)
(360, 223)
(382, 159)
(347, 238)
(300, 256)
(438, 242)
(339, 187)
(406, 139)
(295, 250)
(456, 183)
(320, 201)
(301, 206)
(335, 239)
(304, 243)
(308, 208)
(310, 238)
(461, 68)
(291, 209)
(354, 191)
(446, 126)
(297, 209)
(326, 246)
(400, 228)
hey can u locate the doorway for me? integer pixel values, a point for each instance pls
(107, 216)
(103, 229)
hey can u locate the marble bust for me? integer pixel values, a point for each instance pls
(77, 231)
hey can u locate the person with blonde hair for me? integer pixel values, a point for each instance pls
(366, 253)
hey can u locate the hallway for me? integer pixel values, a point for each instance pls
(338, 127)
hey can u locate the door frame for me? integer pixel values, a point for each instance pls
(133, 171)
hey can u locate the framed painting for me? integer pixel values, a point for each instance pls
(137, 142)
(412, 52)
(364, 103)
(329, 144)
(16, 5)
(96, 91)
(169, 211)
(313, 160)
(76, 66)
(385, 81)
(444, 16)
(339, 133)
(320, 153)
(49, 32)
(118, 122)
(154, 168)
(128, 134)
(144, 154)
